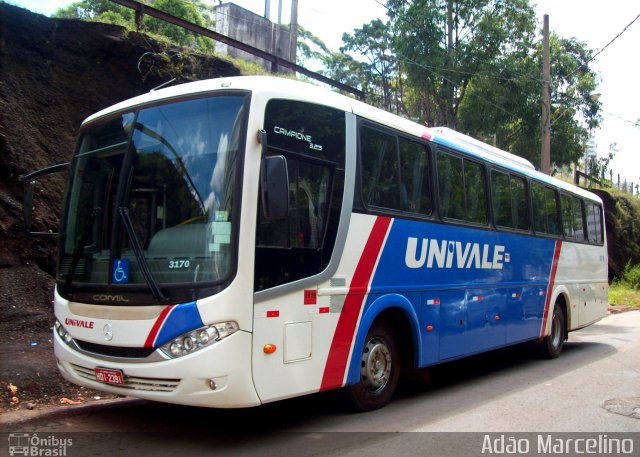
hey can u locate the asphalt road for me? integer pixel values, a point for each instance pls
(593, 388)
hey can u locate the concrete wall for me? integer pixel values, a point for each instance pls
(252, 29)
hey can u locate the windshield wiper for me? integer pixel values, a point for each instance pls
(142, 261)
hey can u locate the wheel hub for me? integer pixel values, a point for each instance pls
(375, 369)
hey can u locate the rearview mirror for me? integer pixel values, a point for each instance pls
(29, 183)
(274, 187)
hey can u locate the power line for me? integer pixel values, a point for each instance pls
(504, 110)
(592, 58)
(614, 38)
(635, 124)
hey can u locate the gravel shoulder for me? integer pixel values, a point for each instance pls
(29, 377)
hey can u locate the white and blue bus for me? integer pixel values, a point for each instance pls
(237, 241)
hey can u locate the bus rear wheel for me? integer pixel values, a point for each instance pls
(379, 370)
(551, 345)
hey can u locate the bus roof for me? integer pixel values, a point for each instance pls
(276, 87)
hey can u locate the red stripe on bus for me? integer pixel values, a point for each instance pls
(156, 326)
(552, 280)
(341, 344)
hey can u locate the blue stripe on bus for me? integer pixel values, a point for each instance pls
(183, 318)
(476, 289)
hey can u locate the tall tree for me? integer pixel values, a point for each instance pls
(505, 105)
(373, 43)
(444, 43)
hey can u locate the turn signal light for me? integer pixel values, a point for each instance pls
(269, 348)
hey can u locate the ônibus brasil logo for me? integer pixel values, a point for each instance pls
(28, 444)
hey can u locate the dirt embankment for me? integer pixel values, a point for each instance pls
(53, 74)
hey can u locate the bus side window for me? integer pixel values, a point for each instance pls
(450, 186)
(520, 206)
(394, 172)
(414, 176)
(545, 209)
(501, 199)
(461, 186)
(552, 214)
(578, 219)
(594, 223)
(380, 169)
(568, 223)
(572, 218)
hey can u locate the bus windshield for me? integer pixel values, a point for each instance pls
(151, 197)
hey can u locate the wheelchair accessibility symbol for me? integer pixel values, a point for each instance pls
(120, 272)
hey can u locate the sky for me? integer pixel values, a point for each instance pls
(592, 21)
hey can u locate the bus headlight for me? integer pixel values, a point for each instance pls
(195, 340)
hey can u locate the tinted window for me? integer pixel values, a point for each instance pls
(380, 169)
(414, 177)
(509, 199)
(501, 199)
(461, 187)
(594, 223)
(578, 219)
(394, 172)
(545, 209)
(519, 202)
(451, 186)
(572, 220)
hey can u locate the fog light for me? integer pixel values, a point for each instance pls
(212, 384)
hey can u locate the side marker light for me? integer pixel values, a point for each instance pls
(269, 348)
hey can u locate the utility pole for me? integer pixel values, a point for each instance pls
(545, 156)
(293, 32)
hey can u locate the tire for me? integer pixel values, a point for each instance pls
(551, 346)
(379, 370)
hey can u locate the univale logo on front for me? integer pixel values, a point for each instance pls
(433, 253)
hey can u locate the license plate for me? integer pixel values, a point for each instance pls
(109, 376)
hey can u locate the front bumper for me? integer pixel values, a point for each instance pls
(217, 376)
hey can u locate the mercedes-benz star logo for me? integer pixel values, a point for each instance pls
(108, 332)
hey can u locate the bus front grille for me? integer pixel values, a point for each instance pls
(115, 351)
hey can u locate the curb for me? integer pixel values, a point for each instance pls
(19, 417)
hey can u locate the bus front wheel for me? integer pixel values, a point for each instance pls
(379, 369)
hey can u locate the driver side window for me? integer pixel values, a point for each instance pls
(312, 139)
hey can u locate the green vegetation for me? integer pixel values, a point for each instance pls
(193, 11)
(473, 65)
(626, 290)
